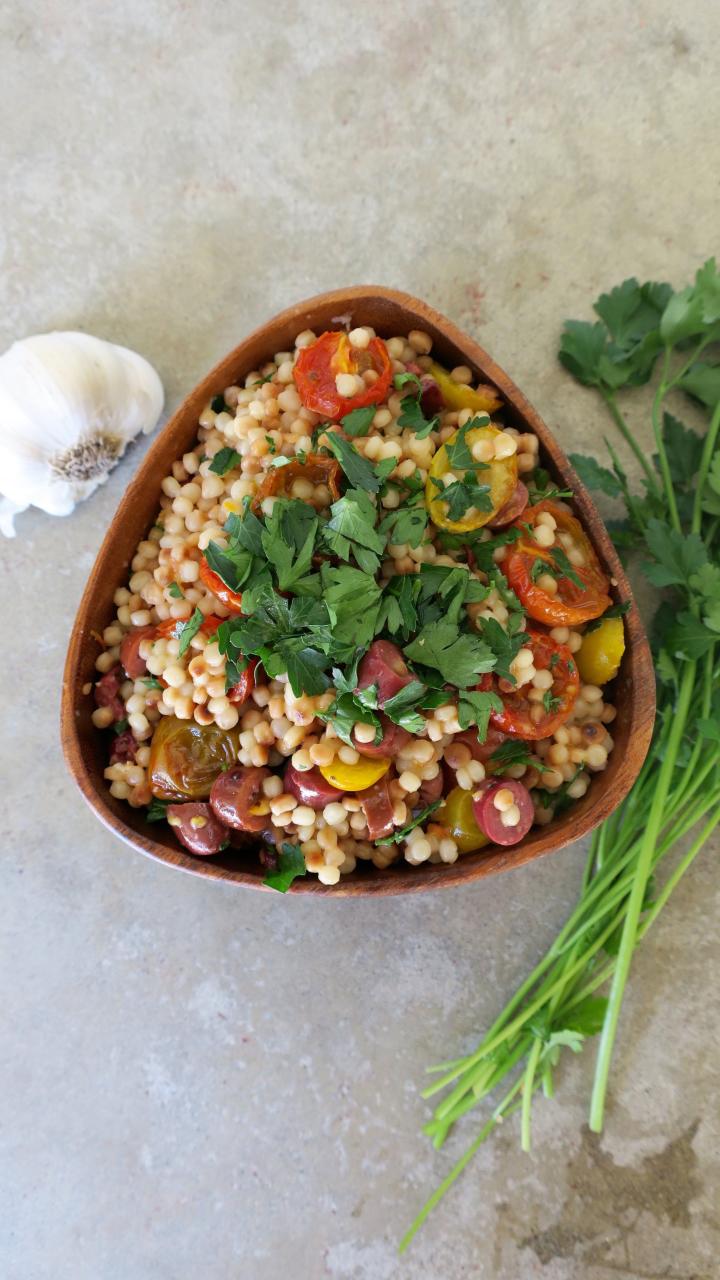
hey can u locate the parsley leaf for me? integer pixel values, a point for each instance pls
(152, 682)
(458, 656)
(407, 523)
(352, 599)
(348, 710)
(550, 703)
(289, 540)
(503, 645)
(398, 606)
(217, 404)
(702, 382)
(594, 476)
(677, 555)
(417, 821)
(407, 379)
(360, 472)
(156, 810)
(359, 421)
(412, 416)
(120, 726)
(615, 611)
(565, 567)
(176, 591)
(233, 564)
(272, 447)
(463, 495)
(515, 752)
(402, 708)
(291, 864)
(459, 451)
(475, 709)
(351, 531)
(293, 637)
(225, 460)
(187, 630)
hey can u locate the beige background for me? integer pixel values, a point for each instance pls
(201, 1083)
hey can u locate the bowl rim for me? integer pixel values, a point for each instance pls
(399, 877)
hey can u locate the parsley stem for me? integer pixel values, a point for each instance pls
(628, 437)
(527, 1092)
(706, 459)
(502, 1110)
(642, 871)
(662, 390)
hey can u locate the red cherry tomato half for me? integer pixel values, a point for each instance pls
(570, 604)
(240, 692)
(196, 826)
(378, 809)
(318, 365)
(492, 816)
(133, 665)
(522, 718)
(214, 583)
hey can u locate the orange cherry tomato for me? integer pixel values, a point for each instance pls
(570, 604)
(278, 481)
(240, 692)
(533, 720)
(214, 583)
(186, 758)
(332, 353)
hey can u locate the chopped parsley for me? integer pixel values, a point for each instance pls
(156, 810)
(417, 821)
(359, 421)
(218, 405)
(176, 591)
(186, 630)
(290, 865)
(225, 460)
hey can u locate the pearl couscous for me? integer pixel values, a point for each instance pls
(356, 630)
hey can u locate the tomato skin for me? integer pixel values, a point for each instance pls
(239, 693)
(277, 482)
(214, 583)
(167, 629)
(601, 651)
(317, 366)
(501, 476)
(185, 758)
(457, 815)
(571, 604)
(515, 719)
(355, 777)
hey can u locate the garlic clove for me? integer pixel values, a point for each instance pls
(69, 405)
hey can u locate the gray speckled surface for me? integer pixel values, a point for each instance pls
(199, 1082)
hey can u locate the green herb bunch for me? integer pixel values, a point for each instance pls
(671, 533)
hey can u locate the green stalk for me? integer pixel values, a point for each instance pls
(627, 942)
(527, 1093)
(628, 437)
(705, 460)
(662, 389)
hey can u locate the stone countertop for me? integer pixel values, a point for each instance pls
(205, 1082)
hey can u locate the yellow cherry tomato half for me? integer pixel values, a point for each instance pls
(501, 475)
(456, 813)
(186, 758)
(355, 777)
(601, 651)
(458, 396)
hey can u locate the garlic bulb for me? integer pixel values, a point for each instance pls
(69, 404)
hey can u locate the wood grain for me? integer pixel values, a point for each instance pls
(86, 748)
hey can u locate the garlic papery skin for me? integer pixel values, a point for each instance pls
(69, 405)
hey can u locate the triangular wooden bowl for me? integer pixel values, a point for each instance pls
(389, 312)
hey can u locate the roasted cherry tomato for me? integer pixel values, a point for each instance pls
(214, 583)
(196, 826)
(355, 777)
(501, 476)
(278, 481)
(237, 798)
(133, 665)
(456, 395)
(456, 813)
(601, 651)
(570, 604)
(185, 758)
(318, 365)
(240, 692)
(378, 809)
(168, 628)
(533, 720)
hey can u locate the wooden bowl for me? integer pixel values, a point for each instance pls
(86, 748)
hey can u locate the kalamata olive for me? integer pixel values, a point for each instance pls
(133, 665)
(431, 401)
(384, 666)
(430, 791)
(107, 693)
(393, 740)
(196, 826)
(378, 809)
(515, 803)
(513, 508)
(309, 787)
(124, 748)
(237, 798)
